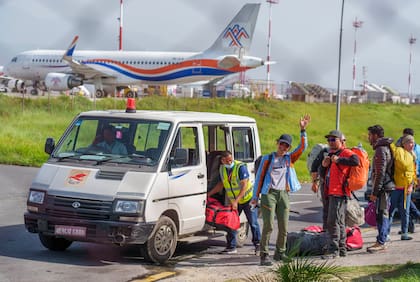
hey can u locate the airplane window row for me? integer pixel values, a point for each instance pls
(123, 62)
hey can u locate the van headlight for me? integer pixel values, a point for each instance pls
(129, 206)
(36, 197)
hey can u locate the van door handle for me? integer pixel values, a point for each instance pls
(200, 175)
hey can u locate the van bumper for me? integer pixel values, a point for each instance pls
(115, 232)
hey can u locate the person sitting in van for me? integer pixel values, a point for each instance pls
(234, 178)
(109, 144)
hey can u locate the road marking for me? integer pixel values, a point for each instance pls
(300, 202)
(155, 277)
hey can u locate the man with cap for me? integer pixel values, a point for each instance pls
(337, 165)
(272, 183)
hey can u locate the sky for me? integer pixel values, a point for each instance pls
(304, 34)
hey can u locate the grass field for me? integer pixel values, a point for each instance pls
(25, 123)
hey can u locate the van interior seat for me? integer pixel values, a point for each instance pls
(213, 163)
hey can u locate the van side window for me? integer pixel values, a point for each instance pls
(187, 141)
(150, 137)
(243, 142)
(215, 137)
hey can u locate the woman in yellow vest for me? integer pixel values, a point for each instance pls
(405, 179)
(234, 178)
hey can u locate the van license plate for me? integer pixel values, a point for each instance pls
(74, 231)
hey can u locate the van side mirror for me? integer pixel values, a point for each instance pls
(49, 145)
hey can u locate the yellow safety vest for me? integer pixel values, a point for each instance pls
(231, 183)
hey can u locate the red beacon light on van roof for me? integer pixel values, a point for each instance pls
(131, 105)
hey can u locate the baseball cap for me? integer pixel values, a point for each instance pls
(286, 138)
(335, 133)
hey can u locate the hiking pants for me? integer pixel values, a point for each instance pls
(275, 203)
(336, 223)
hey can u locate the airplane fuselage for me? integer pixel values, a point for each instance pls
(121, 67)
(65, 69)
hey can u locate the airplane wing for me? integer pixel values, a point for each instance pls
(78, 68)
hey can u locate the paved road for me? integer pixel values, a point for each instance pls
(23, 258)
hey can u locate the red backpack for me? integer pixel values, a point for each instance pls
(358, 175)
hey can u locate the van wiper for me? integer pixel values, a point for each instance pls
(99, 162)
(69, 156)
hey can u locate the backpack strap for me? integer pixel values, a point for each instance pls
(264, 170)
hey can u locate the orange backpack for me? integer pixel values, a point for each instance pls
(358, 175)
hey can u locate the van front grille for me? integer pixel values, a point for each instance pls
(78, 208)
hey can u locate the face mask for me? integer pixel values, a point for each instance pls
(229, 166)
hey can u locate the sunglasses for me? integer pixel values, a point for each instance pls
(284, 144)
(331, 139)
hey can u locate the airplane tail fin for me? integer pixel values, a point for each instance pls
(236, 38)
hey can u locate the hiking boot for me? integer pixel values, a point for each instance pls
(343, 253)
(230, 251)
(257, 249)
(280, 256)
(405, 237)
(265, 260)
(376, 248)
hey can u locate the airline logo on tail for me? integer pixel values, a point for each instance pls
(235, 34)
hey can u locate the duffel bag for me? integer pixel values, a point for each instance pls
(220, 216)
(354, 239)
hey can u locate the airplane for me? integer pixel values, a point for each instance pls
(60, 70)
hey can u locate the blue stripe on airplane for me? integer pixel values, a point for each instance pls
(170, 76)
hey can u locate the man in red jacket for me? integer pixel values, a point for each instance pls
(337, 164)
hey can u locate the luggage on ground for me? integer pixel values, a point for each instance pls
(355, 214)
(354, 239)
(306, 243)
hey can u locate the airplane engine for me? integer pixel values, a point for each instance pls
(16, 84)
(251, 62)
(61, 81)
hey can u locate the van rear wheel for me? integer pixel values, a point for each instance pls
(162, 242)
(53, 243)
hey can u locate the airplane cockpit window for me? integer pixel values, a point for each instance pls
(14, 60)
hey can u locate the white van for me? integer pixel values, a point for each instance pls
(153, 194)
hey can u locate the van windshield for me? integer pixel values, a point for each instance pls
(105, 140)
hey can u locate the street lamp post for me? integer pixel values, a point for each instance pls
(411, 41)
(337, 114)
(356, 24)
(269, 43)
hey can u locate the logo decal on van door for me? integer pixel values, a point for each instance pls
(77, 177)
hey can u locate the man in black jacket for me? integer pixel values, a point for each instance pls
(381, 184)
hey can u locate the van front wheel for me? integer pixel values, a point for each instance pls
(53, 243)
(162, 242)
(242, 234)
